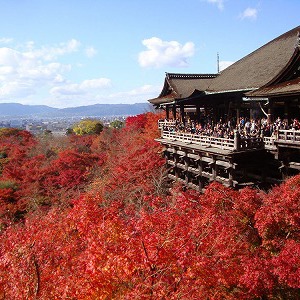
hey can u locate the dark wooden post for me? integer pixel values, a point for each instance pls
(237, 140)
(200, 168)
(215, 114)
(238, 115)
(182, 113)
(227, 111)
(214, 168)
(167, 112)
(186, 164)
(286, 110)
(198, 113)
(174, 111)
(230, 172)
(176, 159)
(270, 112)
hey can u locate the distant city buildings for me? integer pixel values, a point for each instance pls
(55, 126)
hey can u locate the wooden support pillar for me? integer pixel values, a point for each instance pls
(230, 173)
(286, 110)
(166, 153)
(251, 112)
(174, 111)
(214, 168)
(167, 112)
(200, 184)
(198, 112)
(214, 116)
(182, 113)
(176, 159)
(284, 172)
(200, 168)
(238, 111)
(237, 140)
(186, 164)
(270, 112)
(228, 110)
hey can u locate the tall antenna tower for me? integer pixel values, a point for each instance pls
(218, 63)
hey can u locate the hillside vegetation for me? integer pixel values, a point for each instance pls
(93, 217)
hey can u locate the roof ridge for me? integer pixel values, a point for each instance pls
(191, 76)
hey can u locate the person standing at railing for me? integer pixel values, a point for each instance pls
(296, 124)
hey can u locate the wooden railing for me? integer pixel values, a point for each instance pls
(237, 143)
(202, 140)
(290, 136)
(208, 141)
(248, 143)
(166, 123)
(270, 143)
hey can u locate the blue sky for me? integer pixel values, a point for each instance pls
(65, 53)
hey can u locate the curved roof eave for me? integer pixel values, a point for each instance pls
(229, 91)
(287, 88)
(167, 88)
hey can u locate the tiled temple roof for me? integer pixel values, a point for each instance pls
(250, 73)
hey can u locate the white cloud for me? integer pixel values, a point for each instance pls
(140, 91)
(9, 57)
(5, 40)
(86, 87)
(98, 83)
(5, 71)
(32, 74)
(16, 89)
(23, 73)
(17, 65)
(161, 53)
(51, 53)
(224, 64)
(219, 3)
(137, 95)
(249, 13)
(90, 52)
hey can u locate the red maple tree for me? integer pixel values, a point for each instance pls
(121, 237)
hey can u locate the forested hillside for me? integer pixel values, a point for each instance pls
(93, 217)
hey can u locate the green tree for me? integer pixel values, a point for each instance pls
(88, 126)
(117, 124)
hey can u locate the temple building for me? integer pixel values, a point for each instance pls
(261, 89)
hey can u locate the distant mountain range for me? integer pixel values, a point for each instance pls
(96, 110)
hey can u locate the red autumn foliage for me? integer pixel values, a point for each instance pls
(287, 264)
(134, 166)
(123, 238)
(145, 123)
(137, 122)
(278, 220)
(70, 169)
(42, 176)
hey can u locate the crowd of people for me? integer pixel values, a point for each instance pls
(246, 127)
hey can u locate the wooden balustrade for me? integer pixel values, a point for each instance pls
(166, 123)
(205, 141)
(216, 142)
(269, 143)
(251, 143)
(237, 143)
(291, 136)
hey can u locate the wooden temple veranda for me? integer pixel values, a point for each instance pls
(263, 84)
